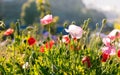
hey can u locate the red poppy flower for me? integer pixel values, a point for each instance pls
(119, 53)
(86, 60)
(105, 57)
(49, 44)
(66, 39)
(42, 49)
(31, 41)
(8, 32)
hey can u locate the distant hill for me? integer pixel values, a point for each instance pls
(67, 9)
(75, 10)
(10, 10)
(71, 10)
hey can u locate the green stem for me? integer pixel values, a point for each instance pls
(14, 60)
(18, 27)
(103, 24)
(49, 30)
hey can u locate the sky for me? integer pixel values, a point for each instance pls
(106, 5)
(111, 6)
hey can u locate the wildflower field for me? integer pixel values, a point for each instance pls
(26, 52)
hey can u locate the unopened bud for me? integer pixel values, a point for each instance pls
(73, 22)
(104, 21)
(2, 24)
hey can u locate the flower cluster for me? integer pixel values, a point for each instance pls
(111, 42)
(47, 46)
(74, 53)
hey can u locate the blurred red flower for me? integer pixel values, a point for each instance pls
(119, 53)
(47, 46)
(42, 49)
(31, 41)
(9, 32)
(86, 60)
(105, 57)
(65, 39)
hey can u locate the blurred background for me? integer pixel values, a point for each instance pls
(30, 11)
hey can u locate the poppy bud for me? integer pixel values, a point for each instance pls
(2, 24)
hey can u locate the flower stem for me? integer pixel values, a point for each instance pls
(49, 30)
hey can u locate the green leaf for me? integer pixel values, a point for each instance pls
(2, 70)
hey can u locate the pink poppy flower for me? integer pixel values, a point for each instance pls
(65, 39)
(75, 31)
(109, 50)
(114, 34)
(46, 20)
(8, 32)
(106, 41)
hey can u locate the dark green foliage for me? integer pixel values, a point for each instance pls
(29, 12)
(2, 70)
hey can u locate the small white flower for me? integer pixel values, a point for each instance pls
(26, 65)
